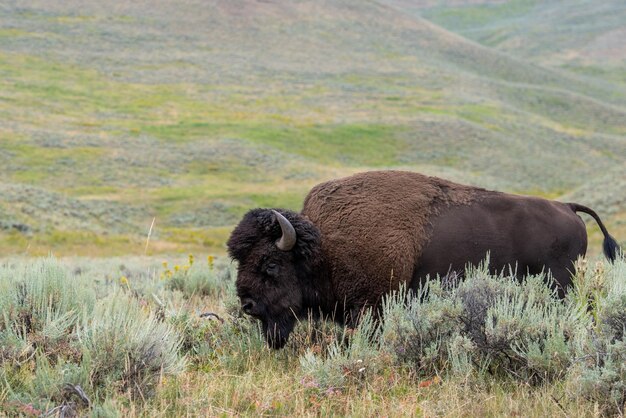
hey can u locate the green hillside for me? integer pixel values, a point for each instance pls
(581, 36)
(191, 113)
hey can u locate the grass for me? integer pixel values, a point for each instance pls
(69, 243)
(261, 392)
(479, 15)
(228, 368)
(358, 144)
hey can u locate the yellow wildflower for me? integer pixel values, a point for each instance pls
(190, 259)
(124, 281)
(210, 261)
(176, 267)
(164, 264)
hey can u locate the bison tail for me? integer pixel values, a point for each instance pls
(610, 246)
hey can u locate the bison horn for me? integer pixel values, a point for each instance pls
(288, 240)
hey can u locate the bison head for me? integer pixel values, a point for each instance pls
(277, 252)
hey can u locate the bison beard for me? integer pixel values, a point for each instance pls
(358, 238)
(277, 331)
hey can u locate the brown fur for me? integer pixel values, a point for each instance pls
(375, 225)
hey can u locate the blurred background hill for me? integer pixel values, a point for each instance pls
(116, 113)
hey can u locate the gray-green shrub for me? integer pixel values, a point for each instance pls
(417, 327)
(40, 304)
(126, 347)
(484, 323)
(199, 280)
(197, 335)
(232, 339)
(599, 374)
(349, 359)
(54, 333)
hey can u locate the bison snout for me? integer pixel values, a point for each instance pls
(248, 305)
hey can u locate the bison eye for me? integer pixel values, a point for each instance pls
(271, 269)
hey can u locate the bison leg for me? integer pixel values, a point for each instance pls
(562, 278)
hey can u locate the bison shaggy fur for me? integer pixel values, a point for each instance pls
(358, 238)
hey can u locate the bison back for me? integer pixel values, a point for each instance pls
(375, 225)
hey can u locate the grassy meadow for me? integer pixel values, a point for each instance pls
(136, 134)
(110, 118)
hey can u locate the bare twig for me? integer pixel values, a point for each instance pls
(70, 390)
(211, 315)
(556, 401)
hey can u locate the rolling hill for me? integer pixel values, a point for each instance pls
(192, 112)
(565, 34)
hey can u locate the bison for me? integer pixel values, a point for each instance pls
(360, 237)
